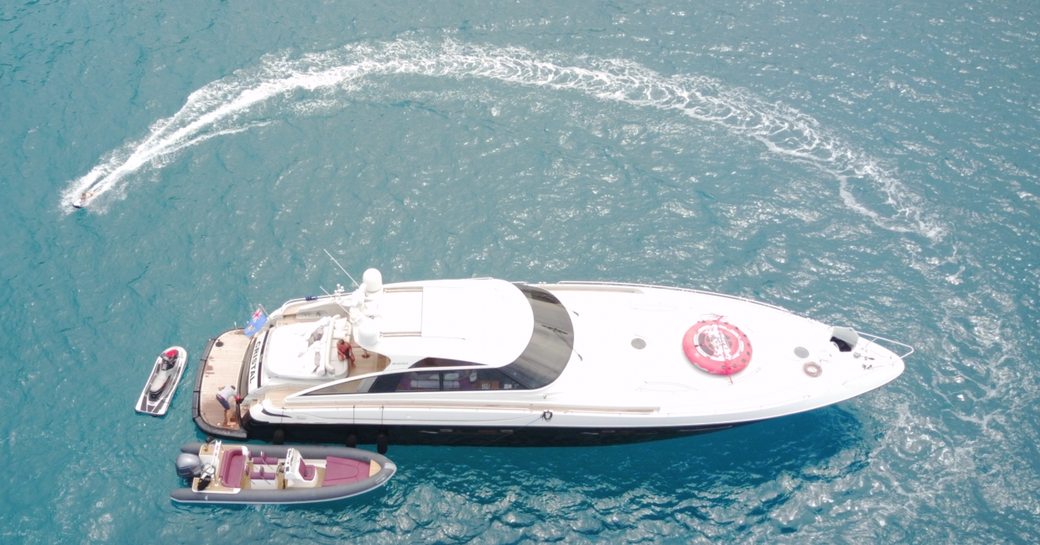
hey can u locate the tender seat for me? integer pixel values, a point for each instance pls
(262, 474)
(264, 460)
(232, 467)
(298, 472)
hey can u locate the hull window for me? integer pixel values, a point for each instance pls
(464, 380)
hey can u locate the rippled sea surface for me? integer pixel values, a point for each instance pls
(869, 163)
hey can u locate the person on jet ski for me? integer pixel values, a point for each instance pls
(168, 359)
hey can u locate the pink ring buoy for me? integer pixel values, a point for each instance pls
(718, 347)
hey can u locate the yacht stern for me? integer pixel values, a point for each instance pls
(221, 365)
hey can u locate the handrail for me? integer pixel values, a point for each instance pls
(629, 285)
(444, 404)
(871, 338)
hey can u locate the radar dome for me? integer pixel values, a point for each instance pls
(373, 281)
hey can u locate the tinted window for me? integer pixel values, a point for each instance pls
(483, 379)
(420, 382)
(385, 383)
(441, 362)
(349, 387)
(454, 381)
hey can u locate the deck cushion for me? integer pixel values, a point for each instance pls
(231, 468)
(344, 471)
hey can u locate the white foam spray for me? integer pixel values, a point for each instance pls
(231, 105)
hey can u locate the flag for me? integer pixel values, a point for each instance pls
(256, 322)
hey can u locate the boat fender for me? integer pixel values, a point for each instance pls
(547, 415)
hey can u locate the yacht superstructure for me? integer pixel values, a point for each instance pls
(483, 360)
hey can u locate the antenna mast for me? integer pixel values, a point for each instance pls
(341, 267)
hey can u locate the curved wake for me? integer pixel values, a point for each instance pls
(232, 104)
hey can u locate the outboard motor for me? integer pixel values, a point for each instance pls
(188, 465)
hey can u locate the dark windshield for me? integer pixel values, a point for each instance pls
(542, 362)
(551, 341)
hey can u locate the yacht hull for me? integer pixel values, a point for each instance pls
(468, 435)
(489, 362)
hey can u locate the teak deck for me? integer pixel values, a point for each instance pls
(222, 367)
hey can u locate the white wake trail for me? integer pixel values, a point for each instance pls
(231, 105)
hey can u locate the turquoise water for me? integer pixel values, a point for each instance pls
(867, 163)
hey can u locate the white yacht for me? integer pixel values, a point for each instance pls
(486, 361)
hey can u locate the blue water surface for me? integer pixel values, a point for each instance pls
(864, 163)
